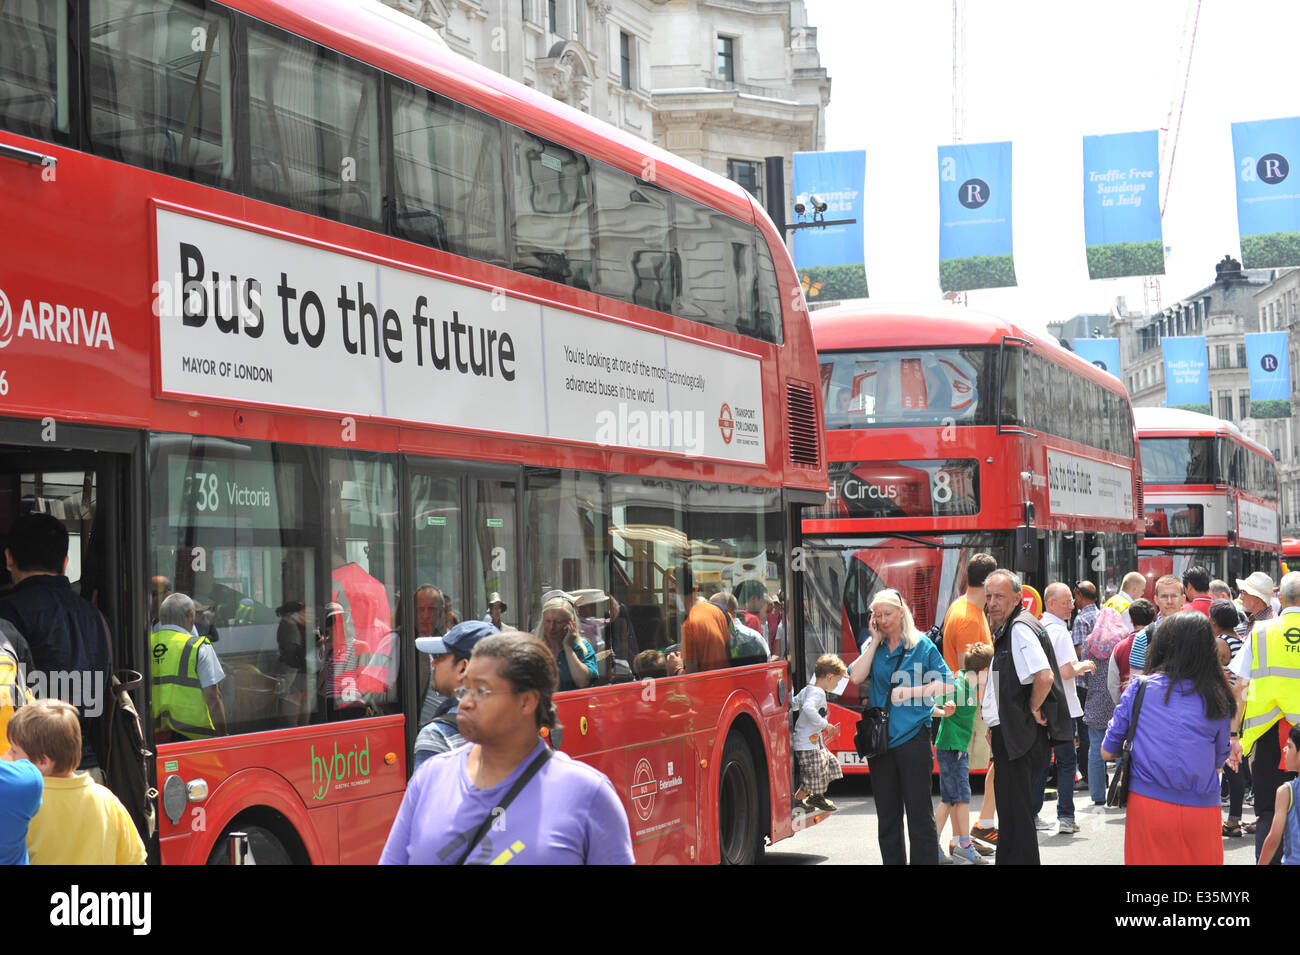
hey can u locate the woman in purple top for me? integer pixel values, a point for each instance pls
(564, 813)
(1174, 815)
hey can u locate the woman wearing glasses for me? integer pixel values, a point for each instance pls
(905, 672)
(559, 631)
(508, 798)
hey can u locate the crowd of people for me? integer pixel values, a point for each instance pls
(1202, 689)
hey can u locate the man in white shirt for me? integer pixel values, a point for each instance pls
(1019, 683)
(1057, 602)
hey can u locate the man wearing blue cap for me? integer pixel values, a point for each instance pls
(449, 655)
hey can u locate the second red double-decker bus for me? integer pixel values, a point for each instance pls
(1211, 497)
(952, 432)
(311, 319)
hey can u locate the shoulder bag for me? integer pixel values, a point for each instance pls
(872, 735)
(1117, 796)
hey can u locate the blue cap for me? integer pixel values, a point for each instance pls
(459, 640)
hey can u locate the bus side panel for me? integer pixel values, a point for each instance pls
(639, 736)
(190, 841)
(362, 828)
(359, 764)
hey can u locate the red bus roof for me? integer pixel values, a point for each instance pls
(937, 325)
(1179, 422)
(391, 46)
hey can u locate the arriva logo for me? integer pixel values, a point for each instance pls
(327, 771)
(54, 323)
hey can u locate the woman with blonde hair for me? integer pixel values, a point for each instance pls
(905, 672)
(558, 629)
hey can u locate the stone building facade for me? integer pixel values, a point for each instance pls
(724, 83)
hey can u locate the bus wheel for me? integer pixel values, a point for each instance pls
(740, 837)
(263, 845)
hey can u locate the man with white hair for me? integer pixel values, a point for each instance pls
(1022, 682)
(1257, 600)
(1268, 681)
(185, 670)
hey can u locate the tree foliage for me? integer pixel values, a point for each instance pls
(1270, 250)
(977, 271)
(1126, 258)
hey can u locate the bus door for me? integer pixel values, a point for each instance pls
(88, 491)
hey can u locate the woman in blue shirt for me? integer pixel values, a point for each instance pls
(906, 671)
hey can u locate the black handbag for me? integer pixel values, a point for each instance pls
(1117, 795)
(872, 735)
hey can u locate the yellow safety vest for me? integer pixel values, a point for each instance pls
(1119, 603)
(1274, 678)
(178, 703)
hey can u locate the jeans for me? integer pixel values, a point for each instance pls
(1236, 780)
(900, 779)
(1065, 767)
(1096, 765)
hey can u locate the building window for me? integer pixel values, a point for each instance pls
(625, 59)
(1221, 356)
(1241, 355)
(552, 16)
(1243, 405)
(1225, 405)
(748, 175)
(727, 58)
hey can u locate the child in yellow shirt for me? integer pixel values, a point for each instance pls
(80, 822)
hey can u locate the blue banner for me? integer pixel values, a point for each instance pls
(1270, 374)
(1102, 352)
(1187, 373)
(1121, 205)
(975, 217)
(830, 259)
(1268, 199)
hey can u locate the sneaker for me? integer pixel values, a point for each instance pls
(989, 834)
(1067, 826)
(1041, 824)
(983, 849)
(1081, 786)
(967, 856)
(819, 801)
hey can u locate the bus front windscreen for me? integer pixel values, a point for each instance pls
(1178, 461)
(919, 387)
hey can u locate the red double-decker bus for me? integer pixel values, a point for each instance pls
(1211, 494)
(952, 432)
(309, 318)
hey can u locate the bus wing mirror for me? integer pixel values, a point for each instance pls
(1025, 557)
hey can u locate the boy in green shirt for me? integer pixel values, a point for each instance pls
(952, 748)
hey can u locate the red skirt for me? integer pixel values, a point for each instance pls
(1165, 833)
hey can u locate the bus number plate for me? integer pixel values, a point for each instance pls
(849, 758)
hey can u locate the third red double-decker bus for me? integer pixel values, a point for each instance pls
(333, 330)
(1211, 497)
(951, 432)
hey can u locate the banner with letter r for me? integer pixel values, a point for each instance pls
(1268, 199)
(1270, 374)
(975, 249)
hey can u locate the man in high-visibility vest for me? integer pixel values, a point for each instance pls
(1131, 588)
(1268, 680)
(185, 672)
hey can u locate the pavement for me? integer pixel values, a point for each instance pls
(848, 836)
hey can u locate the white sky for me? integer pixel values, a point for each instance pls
(1044, 74)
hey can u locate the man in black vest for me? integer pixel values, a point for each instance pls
(1023, 696)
